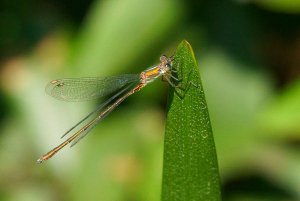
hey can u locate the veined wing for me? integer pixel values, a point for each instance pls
(100, 107)
(83, 131)
(89, 88)
(112, 101)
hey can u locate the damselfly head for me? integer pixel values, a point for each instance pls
(165, 63)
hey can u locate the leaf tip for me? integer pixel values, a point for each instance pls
(184, 44)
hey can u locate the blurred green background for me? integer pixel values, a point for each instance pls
(249, 57)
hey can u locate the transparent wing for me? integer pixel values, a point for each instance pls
(89, 88)
(100, 107)
(83, 131)
(95, 121)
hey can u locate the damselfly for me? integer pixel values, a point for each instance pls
(78, 89)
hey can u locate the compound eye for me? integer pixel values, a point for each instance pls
(168, 65)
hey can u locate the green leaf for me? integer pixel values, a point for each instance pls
(190, 169)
